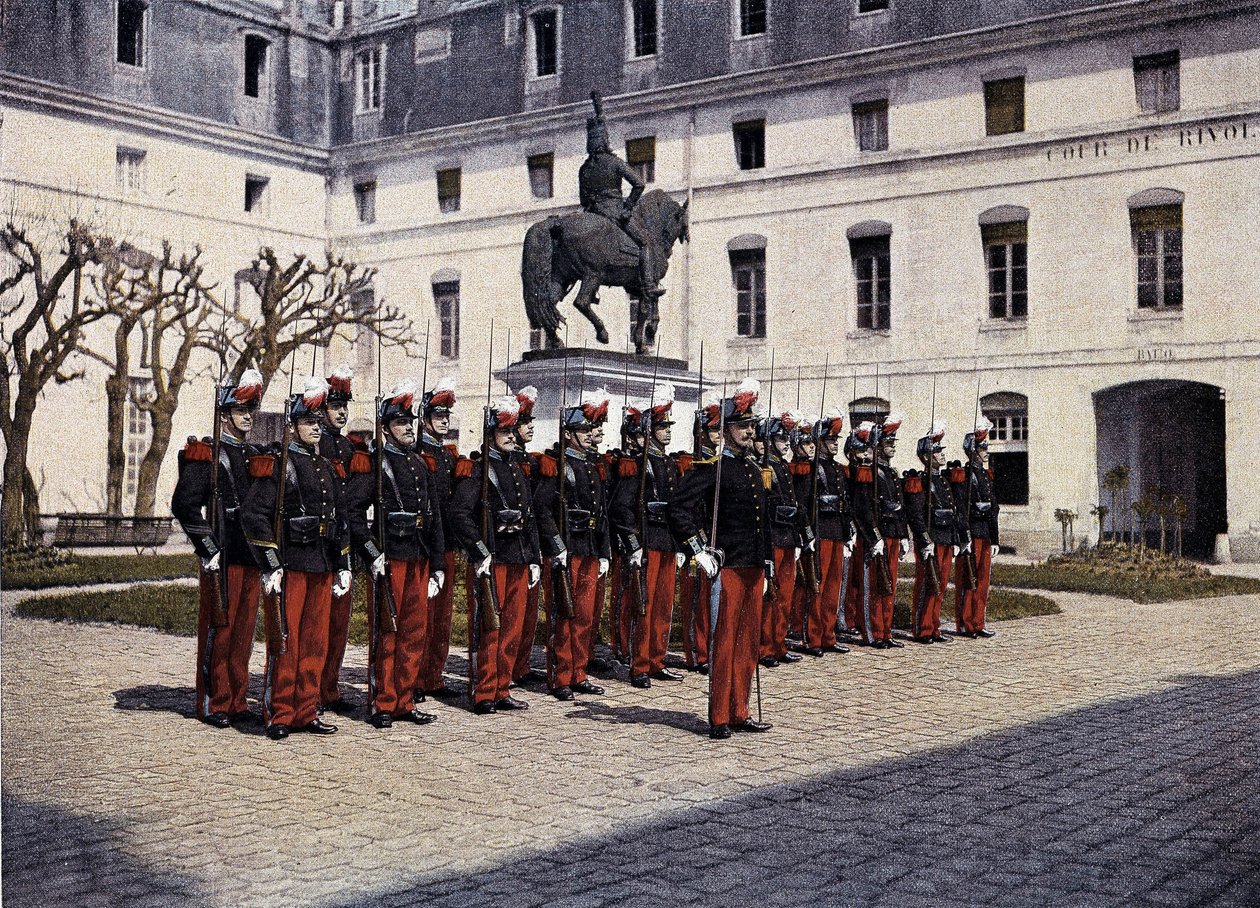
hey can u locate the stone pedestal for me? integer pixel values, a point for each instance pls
(561, 375)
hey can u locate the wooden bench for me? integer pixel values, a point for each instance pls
(90, 530)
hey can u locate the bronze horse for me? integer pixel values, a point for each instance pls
(561, 251)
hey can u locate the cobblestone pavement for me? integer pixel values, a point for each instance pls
(1105, 756)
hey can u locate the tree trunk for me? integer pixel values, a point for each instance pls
(116, 387)
(34, 533)
(1063, 527)
(15, 473)
(1163, 535)
(151, 465)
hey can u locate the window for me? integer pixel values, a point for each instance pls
(643, 27)
(365, 201)
(370, 79)
(1008, 445)
(1006, 257)
(446, 301)
(750, 144)
(748, 273)
(130, 170)
(255, 192)
(131, 22)
(1157, 246)
(448, 186)
(363, 304)
(870, 125)
(641, 156)
(872, 276)
(868, 409)
(255, 66)
(138, 434)
(1157, 80)
(871, 6)
(752, 17)
(545, 26)
(432, 44)
(1004, 106)
(541, 169)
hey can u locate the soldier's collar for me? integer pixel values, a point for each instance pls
(395, 447)
(425, 436)
(227, 439)
(579, 455)
(295, 445)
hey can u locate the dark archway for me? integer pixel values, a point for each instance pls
(1172, 436)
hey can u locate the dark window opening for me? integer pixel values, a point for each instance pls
(872, 6)
(871, 272)
(870, 125)
(1157, 245)
(448, 189)
(1006, 257)
(255, 192)
(748, 273)
(131, 15)
(255, 65)
(541, 175)
(644, 14)
(641, 156)
(1010, 476)
(1157, 81)
(1004, 106)
(750, 144)
(446, 299)
(365, 201)
(545, 42)
(752, 17)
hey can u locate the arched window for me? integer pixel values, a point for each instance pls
(1008, 444)
(867, 409)
(1155, 221)
(748, 276)
(869, 248)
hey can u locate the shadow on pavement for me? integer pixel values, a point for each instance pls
(157, 698)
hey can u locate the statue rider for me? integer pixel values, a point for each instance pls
(599, 189)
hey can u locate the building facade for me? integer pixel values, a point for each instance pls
(1048, 205)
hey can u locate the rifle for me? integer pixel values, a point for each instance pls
(638, 577)
(715, 585)
(811, 570)
(767, 471)
(883, 579)
(218, 611)
(275, 617)
(932, 574)
(561, 578)
(971, 571)
(382, 589)
(487, 597)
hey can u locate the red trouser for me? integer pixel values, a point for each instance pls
(223, 652)
(394, 659)
(437, 645)
(651, 631)
(694, 590)
(774, 613)
(892, 555)
(623, 607)
(969, 605)
(569, 644)
(292, 693)
(925, 617)
(597, 616)
(820, 623)
(338, 633)
(494, 653)
(736, 637)
(528, 631)
(874, 612)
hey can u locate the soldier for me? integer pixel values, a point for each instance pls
(527, 397)
(935, 524)
(300, 566)
(222, 652)
(508, 554)
(435, 408)
(599, 191)
(577, 541)
(620, 465)
(706, 433)
(973, 496)
(834, 535)
(640, 512)
(410, 562)
(788, 528)
(803, 445)
(340, 451)
(739, 560)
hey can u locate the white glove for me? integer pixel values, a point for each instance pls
(957, 549)
(435, 585)
(440, 577)
(211, 564)
(271, 582)
(535, 574)
(707, 563)
(848, 548)
(561, 558)
(809, 545)
(877, 549)
(967, 547)
(798, 553)
(603, 566)
(995, 549)
(378, 566)
(905, 547)
(484, 567)
(681, 560)
(927, 552)
(342, 586)
(635, 560)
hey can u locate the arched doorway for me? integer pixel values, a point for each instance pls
(1172, 436)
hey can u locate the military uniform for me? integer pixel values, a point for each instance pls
(437, 645)
(935, 525)
(339, 450)
(974, 497)
(789, 527)
(834, 530)
(863, 572)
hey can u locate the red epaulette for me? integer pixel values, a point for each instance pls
(627, 466)
(989, 473)
(198, 450)
(430, 461)
(361, 462)
(913, 483)
(957, 475)
(799, 468)
(453, 450)
(527, 467)
(548, 466)
(601, 467)
(684, 461)
(339, 468)
(359, 442)
(262, 466)
(463, 468)
(865, 474)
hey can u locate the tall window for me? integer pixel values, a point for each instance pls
(750, 144)
(139, 432)
(1008, 445)
(256, 66)
(1157, 80)
(370, 79)
(1157, 246)
(365, 201)
(541, 174)
(130, 33)
(130, 170)
(545, 26)
(1004, 106)
(643, 27)
(1006, 256)
(446, 300)
(870, 125)
(748, 273)
(641, 156)
(872, 277)
(752, 17)
(255, 193)
(448, 189)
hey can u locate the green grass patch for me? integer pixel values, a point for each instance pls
(34, 569)
(1004, 605)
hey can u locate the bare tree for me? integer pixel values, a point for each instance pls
(43, 313)
(307, 302)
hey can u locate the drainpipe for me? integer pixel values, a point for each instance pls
(689, 160)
